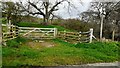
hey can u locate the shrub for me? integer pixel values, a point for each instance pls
(75, 24)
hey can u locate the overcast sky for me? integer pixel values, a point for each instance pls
(63, 12)
(74, 12)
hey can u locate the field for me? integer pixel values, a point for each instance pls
(59, 33)
(24, 52)
(56, 52)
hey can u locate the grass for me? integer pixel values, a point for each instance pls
(16, 42)
(37, 25)
(63, 54)
(18, 53)
(3, 20)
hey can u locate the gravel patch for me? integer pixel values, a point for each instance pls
(103, 64)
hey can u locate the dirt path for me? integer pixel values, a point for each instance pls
(40, 44)
(103, 64)
(94, 65)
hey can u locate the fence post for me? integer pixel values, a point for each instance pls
(91, 34)
(64, 35)
(16, 31)
(79, 36)
(55, 32)
(0, 33)
(9, 25)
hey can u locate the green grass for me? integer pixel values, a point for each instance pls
(3, 20)
(63, 54)
(37, 25)
(18, 53)
(16, 42)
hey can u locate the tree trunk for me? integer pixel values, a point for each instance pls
(46, 4)
(51, 20)
(45, 20)
(113, 34)
(101, 28)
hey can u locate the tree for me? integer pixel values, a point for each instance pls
(110, 9)
(103, 9)
(115, 19)
(89, 16)
(43, 8)
(11, 11)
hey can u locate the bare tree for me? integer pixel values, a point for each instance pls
(115, 19)
(109, 8)
(43, 8)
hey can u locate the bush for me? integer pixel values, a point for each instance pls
(75, 24)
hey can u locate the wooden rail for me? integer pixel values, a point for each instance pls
(46, 33)
(38, 33)
(77, 36)
(11, 32)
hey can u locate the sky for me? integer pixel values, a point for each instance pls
(80, 7)
(74, 12)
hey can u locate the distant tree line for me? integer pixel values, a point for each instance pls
(111, 26)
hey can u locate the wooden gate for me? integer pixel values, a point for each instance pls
(38, 33)
(9, 32)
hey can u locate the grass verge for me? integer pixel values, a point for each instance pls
(62, 54)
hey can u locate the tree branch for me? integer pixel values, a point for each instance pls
(34, 13)
(40, 12)
(53, 8)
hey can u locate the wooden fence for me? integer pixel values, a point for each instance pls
(38, 33)
(12, 32)
(9, 32)
(76, 36)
